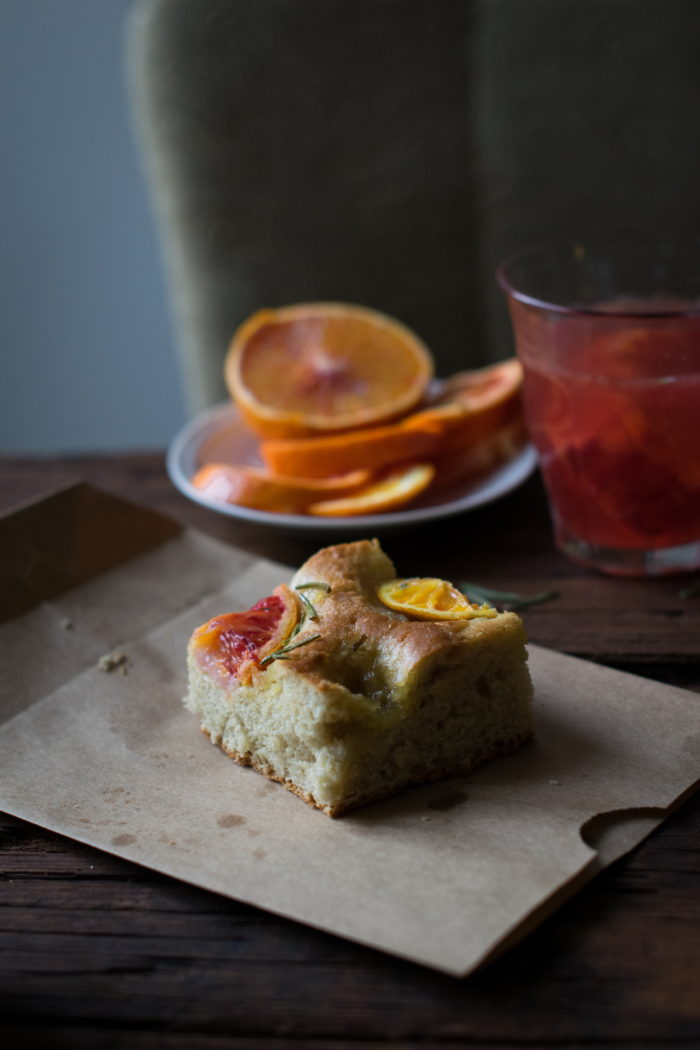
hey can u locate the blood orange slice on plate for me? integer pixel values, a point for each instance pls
(253, 487)
(395, 489)
(473, 406)
(317, 368)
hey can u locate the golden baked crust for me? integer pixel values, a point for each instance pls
(364, 645)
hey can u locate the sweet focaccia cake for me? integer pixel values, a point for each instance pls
(366, 699)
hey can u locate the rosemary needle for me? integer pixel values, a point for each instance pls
(287, 649)
(295, 645)
(319, 586)
(513, 599)
(308, 607)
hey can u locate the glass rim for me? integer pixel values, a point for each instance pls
(576, 311)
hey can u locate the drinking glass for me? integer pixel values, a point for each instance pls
(609, 339)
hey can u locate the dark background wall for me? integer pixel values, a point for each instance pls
(587, 124)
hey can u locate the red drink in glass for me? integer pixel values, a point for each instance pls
(612, 401)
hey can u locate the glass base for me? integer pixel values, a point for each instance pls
(630, 562)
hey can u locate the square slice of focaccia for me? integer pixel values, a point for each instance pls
(375, 700)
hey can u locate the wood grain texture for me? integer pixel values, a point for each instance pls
(96, 952)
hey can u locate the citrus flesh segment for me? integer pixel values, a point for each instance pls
(324, 367)
(232, 645)
(462, 419)
(257, 488)
(431, 599)
(392, 491)
(475, 388)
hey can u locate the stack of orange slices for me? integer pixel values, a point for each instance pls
(339, 396)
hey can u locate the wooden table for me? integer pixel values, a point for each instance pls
(98, 953)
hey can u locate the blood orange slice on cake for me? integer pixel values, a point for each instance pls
(231, 646)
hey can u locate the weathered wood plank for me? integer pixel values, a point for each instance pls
(89, 1038)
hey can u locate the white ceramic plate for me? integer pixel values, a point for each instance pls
(217, 435)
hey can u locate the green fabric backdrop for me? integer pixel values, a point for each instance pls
(390, 152)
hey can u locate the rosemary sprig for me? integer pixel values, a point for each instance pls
(319, 586)
(690, 592)
(512, 599)
(283, 650)
(308, 607)
(308, 612)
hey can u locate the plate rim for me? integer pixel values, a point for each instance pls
(503, 480)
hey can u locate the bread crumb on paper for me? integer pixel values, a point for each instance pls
(114, 661)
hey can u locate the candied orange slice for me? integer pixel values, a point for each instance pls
(428, 598)
(478, 404)
(257, 488)
(232, 645)
(314, 368)
(389, 493)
